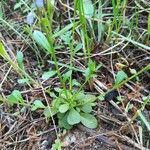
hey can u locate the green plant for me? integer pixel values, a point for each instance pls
(57, 145)
(15, 98)
(73, 109)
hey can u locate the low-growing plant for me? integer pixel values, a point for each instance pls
(73, 108)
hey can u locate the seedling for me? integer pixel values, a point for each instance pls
(15, 98)
(19, 57)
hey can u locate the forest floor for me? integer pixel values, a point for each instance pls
(127, 51)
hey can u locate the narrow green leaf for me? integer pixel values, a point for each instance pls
(3, 52)
(73, 117)
(1, 10)
(88, 120)
(64, 30)
(78, 47)
(88, 8)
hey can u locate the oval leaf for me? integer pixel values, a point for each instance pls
(121, 75)
(87, 108)
(88, 120)
(15, 98)
(64, 123)
(20, 59)
(73, 117)
(41, 40)
(37, 104)
(63, 108)
(48, 74)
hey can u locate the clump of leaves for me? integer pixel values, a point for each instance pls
(73, 108)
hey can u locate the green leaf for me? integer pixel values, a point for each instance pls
(73, 117)
(87, 108)
(88, 8)
(121, 75)
(15, 98)
(63, 108)
(88, 120)
(75, 83)
(58, 90)
(41, 40)
(57, 145)
(64, 30)
(48, 113)
(101, 97)
(148, 30)
(80, 96)
(87, 73)
(142, 117)
(66, 37)
(37, 105)
(90, 70)
(3, 52)
(48, 74)
(45, 21)
(78, 47)
(52, 94)
(20, 59)
(90, 98)
(23, 81)
(63, 121)
(18, 5)
(1, 11)
(56, 102)
(67, 75)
